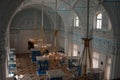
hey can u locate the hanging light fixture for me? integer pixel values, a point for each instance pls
(34, 40)
(86, 60)
(43, 44)
(54, 54)
(55, 48)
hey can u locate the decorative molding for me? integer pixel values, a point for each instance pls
(106, 46)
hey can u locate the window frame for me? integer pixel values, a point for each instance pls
(98, 21)
(75, 50)
(95, 20)
(76, 22)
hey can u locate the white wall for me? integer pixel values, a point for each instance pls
(102, 59)
(19, 41)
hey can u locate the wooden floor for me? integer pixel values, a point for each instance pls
(25, 67)
(28, 69)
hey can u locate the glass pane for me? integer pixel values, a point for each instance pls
(75, 48)
(99, 16)
(77, 18)
(77, 22)
(75, 52)
(99, 24)
(95, 63)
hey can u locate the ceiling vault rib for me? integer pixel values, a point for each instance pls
(75, 3)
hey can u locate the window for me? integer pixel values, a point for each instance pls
(76, 21)
(75, 50)
(96, 57)
(99, 21)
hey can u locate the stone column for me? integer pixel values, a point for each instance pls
(115, 65)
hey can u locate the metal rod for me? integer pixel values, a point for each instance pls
(87, 18)
(56, 15)
(35, 27)
(42, 12)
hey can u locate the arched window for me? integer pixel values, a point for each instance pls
(99, 21)
(76, 21)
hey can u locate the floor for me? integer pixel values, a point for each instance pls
(26, 69)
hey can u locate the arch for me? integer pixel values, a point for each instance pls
(98, 20)
(109, 10)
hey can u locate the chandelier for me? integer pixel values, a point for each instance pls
(34, 40)
(43, 45)
(40, 43)
(54, 55)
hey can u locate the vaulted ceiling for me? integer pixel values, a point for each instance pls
(9, 7)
